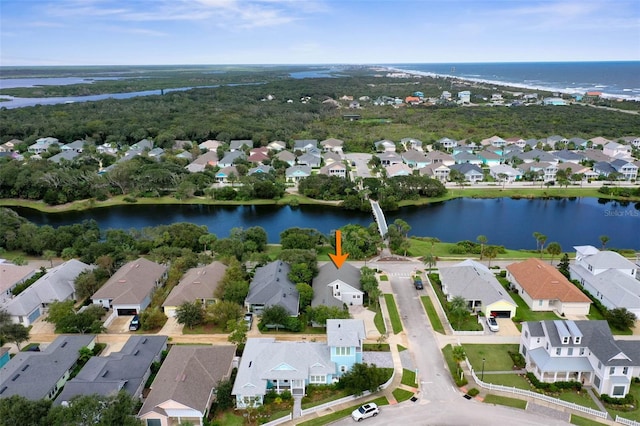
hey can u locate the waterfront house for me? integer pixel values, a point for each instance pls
(40, 375)
(296, 173)
(616, 150)
(547, 171)
(271, 286)
(196, 285)
(240, 145)
(185, 385)
(554, 101)
(337, 286)
(436, 171)
(10, 276)
(464, 97)
(209, 158)
(414, 159)
(479, 287)
(228, 174)
(627, 169)
(126, 370)
(270, 365)
(607, 276)
(604, 168)
(504, 172)
(334, 169)
(544, 288)
(332, 145)
(471, 172)
(129, 290)
(57, 285)
(581, 351)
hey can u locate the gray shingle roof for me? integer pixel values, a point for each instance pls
(132, 283)
(345, 332)
(271, 286)
(35, 374)
(474, 281)
(328, 273)
(196, 284)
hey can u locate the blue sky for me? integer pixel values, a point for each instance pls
(146, 32)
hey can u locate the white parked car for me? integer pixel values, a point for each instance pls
(367, 410)
(492, 324)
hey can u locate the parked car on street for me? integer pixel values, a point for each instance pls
(367, 410)
(492, 323)
(417, 283)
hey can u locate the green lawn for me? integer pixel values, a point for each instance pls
(376, 347)
(330, 418)
(434, 319)
(524, 313)
(408, 377)
(583, 421)
(631, 415)
(378, 320)
(384, 278)
(471, 321)
(394, 315)
(496, 357)
(230, 419)
(402, 395)
(454, 369)
(442, 250)
(581, 398)
(511, 380)
(503, 400)
(401, 348)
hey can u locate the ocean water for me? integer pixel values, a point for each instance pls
(613, 79)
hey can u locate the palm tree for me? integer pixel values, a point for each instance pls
(604, 240)
(491, 252)
(482, 239)
(542, 239)
(536, 235)
(554, 249)
(430, 261)
(458, 310)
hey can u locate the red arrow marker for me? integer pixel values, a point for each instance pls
(338, 258)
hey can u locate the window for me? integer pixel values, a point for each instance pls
(538, 340)
(581, 351)
(318, 379)
(618, 390)
(558, 351)
(526, 334)
(565, 340)
(524, 351)
(590, 268)
(596, 381)
(547, 345)
(599, 365)
(154, 422)
(625, 370)
(612, 370)
(539, 302)
(343, 368)
(569, 351)
(343, 351)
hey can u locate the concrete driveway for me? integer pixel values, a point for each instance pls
(42, 327)
(361, 160)
(120, 325)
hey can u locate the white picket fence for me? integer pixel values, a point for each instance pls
(535, 395)
(626, 421)
(279, 421)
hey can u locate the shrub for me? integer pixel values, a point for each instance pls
(518, 359)
(473, 392)
(553, 387)
(129, 199)
(627, 400)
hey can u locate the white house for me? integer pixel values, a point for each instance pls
(337, 287)
(582, 351)
(607, 276)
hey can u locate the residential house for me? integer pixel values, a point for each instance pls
(260, 170)
(547, 171)
(258, 157)
(516, 141)
(599, 140)
(581, 351)
(40, 375)
(578, 142)
(185, 385)
(141, 146)
(331, 157)
(604, 168)
(56, 285)
(412, 100)
(156, 153)
(414, 159)
(63, 156)
(503, 172)
(127, 369)
(286, 156)
(479, 287)
(385, 145)
(332, 145)
(464, 97)
(596, 155)
(573, 169)
(42, 145)
(489, 158)
(271, 286)
(334, 169)
(553, 140)
(436, 171)
(554, 101)
(10, 146)
(617, 150)
(77, 146)
(310, 160)
(400, 169)
(607, 276)
(567, 156)
(227, 174)
(447, 143)
(107, 148)
(305, 145)
(627, 169)
(196, 285)
(337, 286)
(10, 276)
(129, 290)
(230, 157)
(277, 146)
(296, 173)
(439, 157)
(471, 172)
(270, 365)
(211, 145)
(185, 155)
(446, 95)
(544, 288)
(389, 158)
(209, 158)
(411, 143)
(537, 155)
(240, 145)
(466, 157)
(496, 141)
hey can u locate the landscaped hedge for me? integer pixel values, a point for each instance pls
(518, 359)
(553, 387)
(627, 400)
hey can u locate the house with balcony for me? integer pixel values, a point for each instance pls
(607, 276)
(582, 351)
(616, 150)
(471, 172)
(297, 173)
(504, 173)
(544, 288)
(546, 171)
(627, 169)
(447, 143)
(436, 171)
(334, 169)
(270, 365)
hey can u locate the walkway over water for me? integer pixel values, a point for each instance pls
(380, 219)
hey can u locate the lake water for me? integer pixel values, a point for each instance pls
(504, 221)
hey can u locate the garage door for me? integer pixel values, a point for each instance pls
(127, 312)
(501, 314)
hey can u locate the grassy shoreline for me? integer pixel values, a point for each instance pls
(524, 193)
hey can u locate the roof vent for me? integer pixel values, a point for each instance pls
(4, 388)
(25, 367)
(64, 344)
(250, 362)
(144, 340)
(136, 352)
(105, 373)
(14, 378)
